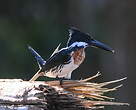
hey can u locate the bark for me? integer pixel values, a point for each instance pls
(16, 94)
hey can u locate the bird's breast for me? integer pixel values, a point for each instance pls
(78, 56)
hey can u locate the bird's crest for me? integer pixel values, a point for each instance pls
(76, 35)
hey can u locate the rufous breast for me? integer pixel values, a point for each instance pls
(78, 56)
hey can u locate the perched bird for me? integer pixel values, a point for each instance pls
(62, 62)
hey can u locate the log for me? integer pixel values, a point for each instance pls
(16, 94)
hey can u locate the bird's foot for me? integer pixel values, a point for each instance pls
(61, 80)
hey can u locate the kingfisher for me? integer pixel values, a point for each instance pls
(64, 61)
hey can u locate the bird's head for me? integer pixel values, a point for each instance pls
(78, 38)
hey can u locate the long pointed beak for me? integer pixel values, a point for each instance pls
(98, 44)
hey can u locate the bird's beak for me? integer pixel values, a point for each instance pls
(98, 44)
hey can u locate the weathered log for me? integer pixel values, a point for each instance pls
(16, 94)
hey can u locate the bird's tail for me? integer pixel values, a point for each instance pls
(39, 59)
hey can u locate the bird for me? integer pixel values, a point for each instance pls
(64, 61)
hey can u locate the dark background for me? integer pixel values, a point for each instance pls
(43, 24)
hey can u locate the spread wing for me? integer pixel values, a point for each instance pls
(58, 59)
